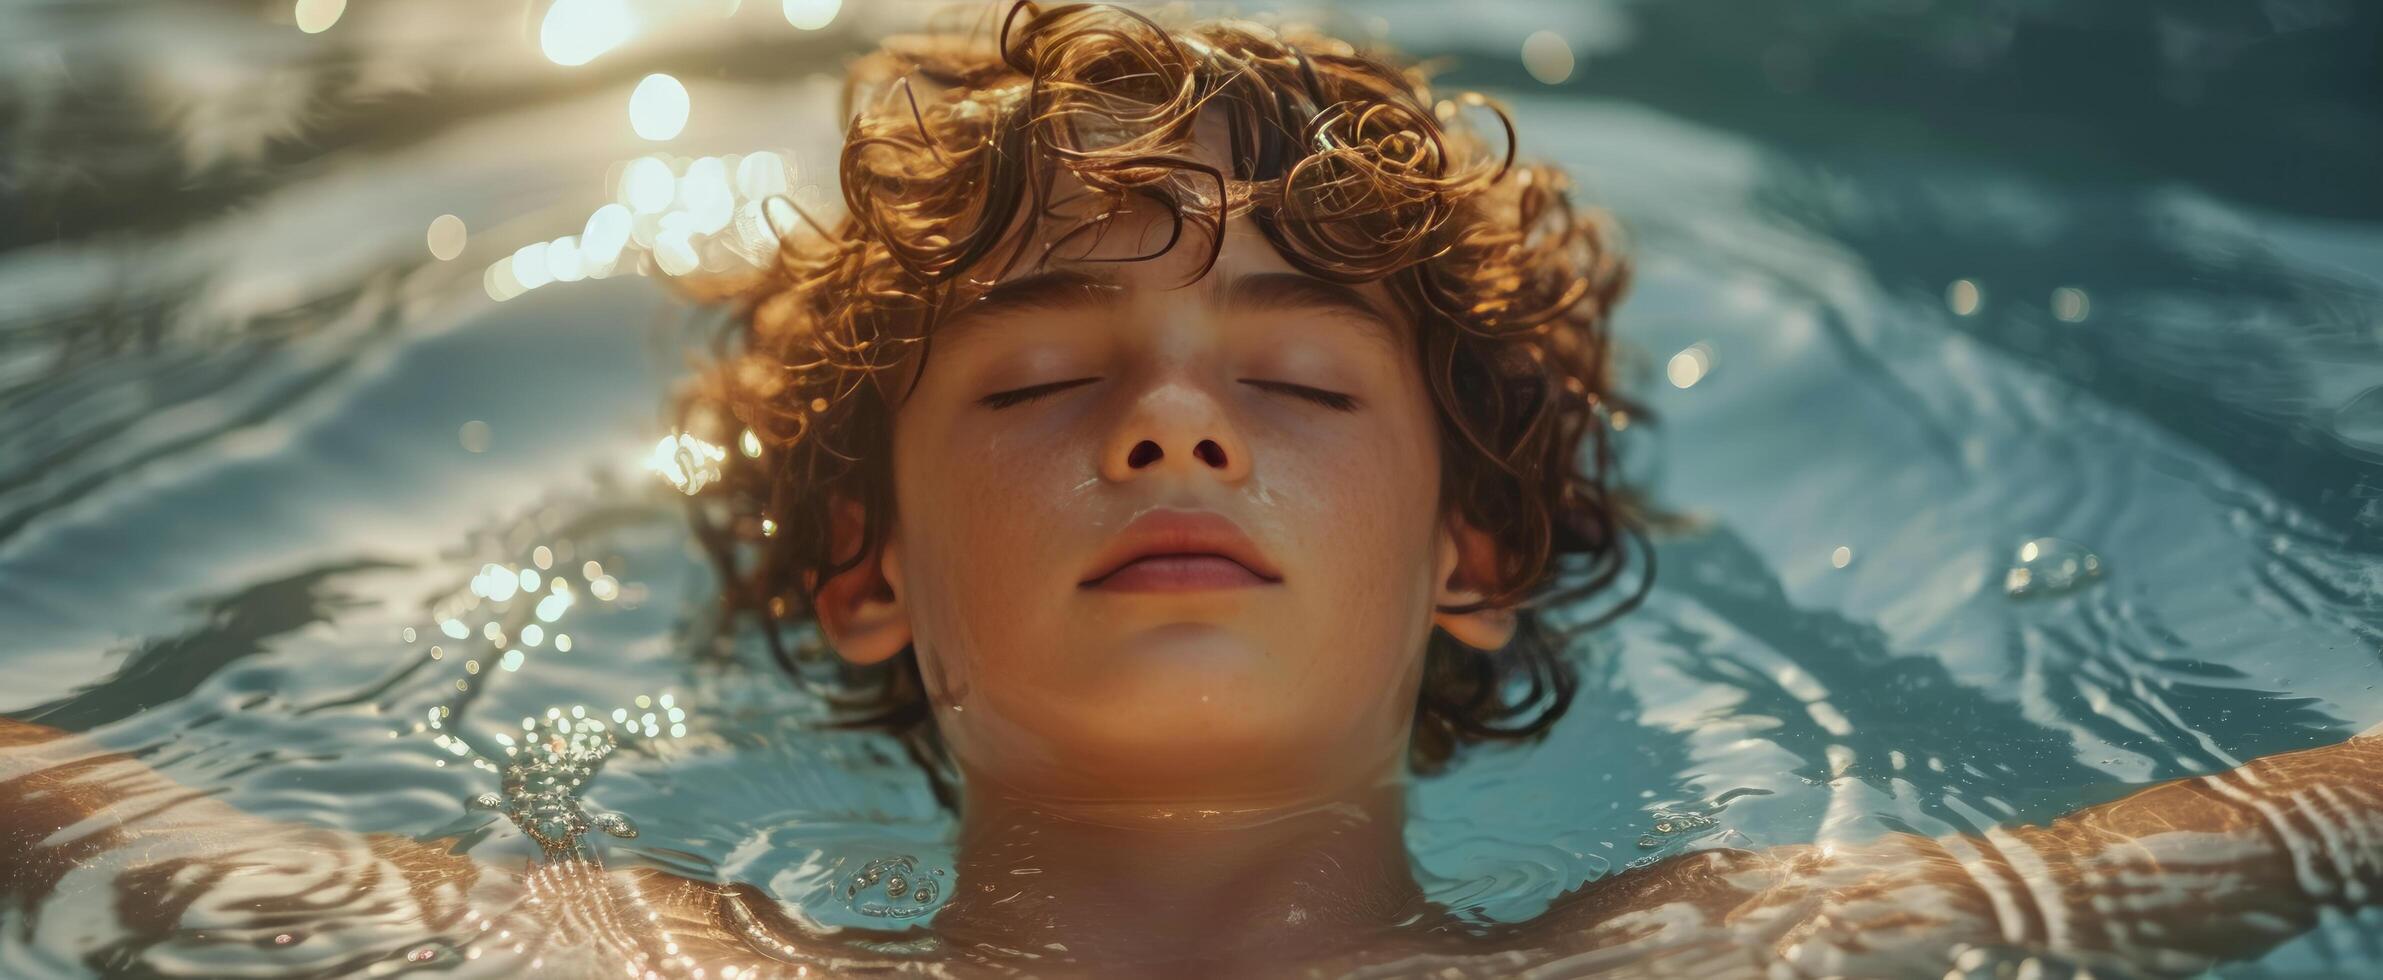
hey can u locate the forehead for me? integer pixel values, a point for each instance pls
(1086, 254)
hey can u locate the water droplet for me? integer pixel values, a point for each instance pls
(1675, 826)
(2050, 567)
(616, 825)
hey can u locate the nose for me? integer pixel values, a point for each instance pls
(1175, 426)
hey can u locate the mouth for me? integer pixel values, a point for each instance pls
(1168, 550)
(1179, 573)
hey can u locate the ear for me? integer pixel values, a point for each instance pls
(1467, 560)
(860, 610)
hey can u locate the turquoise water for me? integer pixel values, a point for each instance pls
(1939, 284)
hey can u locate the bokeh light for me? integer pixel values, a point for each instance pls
(687, 463)
(760, 175)
(674, 246)
(648, 185)
(562, 259)
(575, 32)
(1690, 366)
(658, 107)
(607, 232)
(2071, 305)
(529, 266)
(1547, 56)
(811, 15)
(1963, 297)
(317, 16)
(475, 436)
(704, 194)
(447, 236)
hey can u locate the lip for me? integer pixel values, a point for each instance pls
(1186, 547)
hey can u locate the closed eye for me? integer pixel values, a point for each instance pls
(1014, 396)
(1329, 399)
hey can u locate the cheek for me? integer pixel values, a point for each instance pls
(1364, 508)
(980, 530)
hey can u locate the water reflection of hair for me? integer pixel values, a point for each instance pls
(1354, 171)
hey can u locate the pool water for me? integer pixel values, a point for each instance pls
(2020, 374)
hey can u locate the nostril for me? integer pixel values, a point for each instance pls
(1210, 453)
(1144, 454)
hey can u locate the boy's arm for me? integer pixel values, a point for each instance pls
(183, 870)
(2170, 879)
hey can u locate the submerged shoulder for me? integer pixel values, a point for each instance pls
(673, 921)
(1694, 885)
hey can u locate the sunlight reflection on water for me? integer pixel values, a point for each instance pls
(272, 422)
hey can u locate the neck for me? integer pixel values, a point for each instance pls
(1203, 883)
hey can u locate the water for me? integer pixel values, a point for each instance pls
(2100, 284)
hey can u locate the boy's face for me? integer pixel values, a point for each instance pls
(1183, 678)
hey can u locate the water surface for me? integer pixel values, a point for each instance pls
(1916, 288)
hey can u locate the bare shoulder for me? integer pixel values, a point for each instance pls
(78, 819)
(1681, 893)
(737, 929)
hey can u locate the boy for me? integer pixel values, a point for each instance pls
(1178, 440)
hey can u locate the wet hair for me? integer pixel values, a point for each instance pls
(1352, 169)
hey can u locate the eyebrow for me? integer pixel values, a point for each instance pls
(1281, 291)
(1071, 288)
(1046, 291)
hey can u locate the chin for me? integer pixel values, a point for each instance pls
(1202, 731)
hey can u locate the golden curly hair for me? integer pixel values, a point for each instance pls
(1352, 169)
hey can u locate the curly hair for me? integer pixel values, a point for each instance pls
(1354, 172)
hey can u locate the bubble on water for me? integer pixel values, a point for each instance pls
(2050, 567)
(616, 825)
(541, 787)
(892, 888)
(1670, 827)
